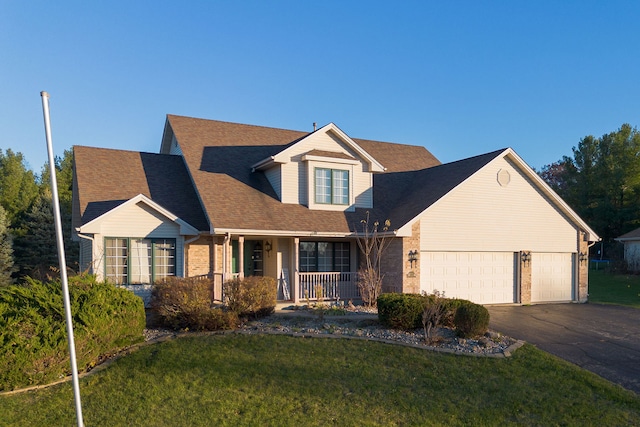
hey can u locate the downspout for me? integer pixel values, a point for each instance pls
(91, 239)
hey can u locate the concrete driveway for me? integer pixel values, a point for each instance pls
(605, 339)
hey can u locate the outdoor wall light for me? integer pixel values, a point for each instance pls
(583, 257)
(525, 257)
(413, 257)
(267, 247)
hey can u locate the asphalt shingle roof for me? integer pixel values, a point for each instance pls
(218, 157)
(105, 178)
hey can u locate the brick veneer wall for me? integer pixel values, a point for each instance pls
(199, 259)
(399, 275)
(583, 269)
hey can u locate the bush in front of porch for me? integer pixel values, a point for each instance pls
(187, 303)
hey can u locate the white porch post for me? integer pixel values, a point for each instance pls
(295, 262)
(225, 257)
(241, 256)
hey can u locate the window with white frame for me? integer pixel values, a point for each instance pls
(331, 186)
(137, 261)
(325, 256)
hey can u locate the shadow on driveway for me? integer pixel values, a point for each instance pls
(605, 339)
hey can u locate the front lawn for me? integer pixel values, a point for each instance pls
(607, 288)
(257, 380)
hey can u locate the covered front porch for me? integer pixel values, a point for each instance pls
(306, 269)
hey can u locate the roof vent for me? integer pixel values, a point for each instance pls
(315, 126)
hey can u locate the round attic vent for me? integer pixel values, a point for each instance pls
(504, 177)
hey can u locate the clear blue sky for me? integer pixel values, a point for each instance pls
(460, 77)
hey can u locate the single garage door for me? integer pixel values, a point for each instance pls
(552, 277)
(482, 277)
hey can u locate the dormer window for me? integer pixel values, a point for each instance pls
(331, 186)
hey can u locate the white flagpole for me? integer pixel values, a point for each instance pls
(61, 259)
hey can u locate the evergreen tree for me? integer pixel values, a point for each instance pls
(6, 251)
(602, 181)
(35, 250)
(18, 186)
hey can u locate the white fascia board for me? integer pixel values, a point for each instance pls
(264, 164)
(280, 233)
(375, 165)
(185, 228)
(592, 236)
(282, 157)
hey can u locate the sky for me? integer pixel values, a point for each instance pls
(460, 78)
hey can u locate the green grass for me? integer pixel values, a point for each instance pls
(620, 289)
(262, 380)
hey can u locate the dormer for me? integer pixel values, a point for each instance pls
(325, 170)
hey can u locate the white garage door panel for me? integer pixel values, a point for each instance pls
(482, 277)
(551, 277)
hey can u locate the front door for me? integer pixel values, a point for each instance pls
(253, 258)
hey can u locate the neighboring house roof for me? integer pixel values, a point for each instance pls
(632, 235)
(105, 178)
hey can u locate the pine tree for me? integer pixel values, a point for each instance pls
(35, 251)
(6, 251)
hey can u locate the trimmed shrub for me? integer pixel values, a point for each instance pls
(252, 296)
(471, 320)
(401, 311)
(451, 305)
(186, 303)
(33, 336)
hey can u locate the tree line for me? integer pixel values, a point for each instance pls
(601, 182)
(27, 229)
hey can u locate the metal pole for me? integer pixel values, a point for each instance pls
(61, 260)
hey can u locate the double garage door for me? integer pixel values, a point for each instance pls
(492, 277)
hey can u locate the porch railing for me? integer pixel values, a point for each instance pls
(328, 286)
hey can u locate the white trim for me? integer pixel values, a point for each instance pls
(185, 228)
(282, 156)
(327, 159)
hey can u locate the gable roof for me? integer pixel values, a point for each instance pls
(185, 228)
(631, 235)
(220, 157)
(105, 179)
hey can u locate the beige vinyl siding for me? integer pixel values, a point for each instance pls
(137, 221)
(175, 147)
(86, 259)
(362, 187)
(320, 141)
(482, 215)
(273, 175)
(290, 183)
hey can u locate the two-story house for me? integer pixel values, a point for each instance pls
(225, 199)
